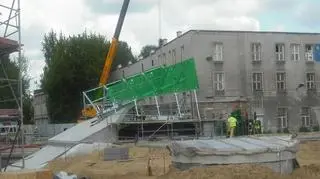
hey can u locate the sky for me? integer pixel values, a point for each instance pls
(147, 20)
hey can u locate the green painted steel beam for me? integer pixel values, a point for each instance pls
(179, 77)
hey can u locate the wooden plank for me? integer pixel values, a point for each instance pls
(28, 174)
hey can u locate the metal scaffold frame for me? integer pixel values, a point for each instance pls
(161, 81)
(10, 27)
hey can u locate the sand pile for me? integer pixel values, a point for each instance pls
(222, 172)
(94, 167)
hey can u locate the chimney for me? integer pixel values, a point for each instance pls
(160, 42)
(179, 33)
(164, 41)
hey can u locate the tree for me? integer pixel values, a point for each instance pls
(74, 64)
(9, 90)
(146, 50)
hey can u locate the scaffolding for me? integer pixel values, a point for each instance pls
(10, 42)
(174, 82)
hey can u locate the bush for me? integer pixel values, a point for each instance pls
(304, 129)
(286, 131)
(316, 128)
(279, 131)
(268, 132)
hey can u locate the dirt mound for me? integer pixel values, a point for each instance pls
(94, 167)
(222, 172)
(308, 171)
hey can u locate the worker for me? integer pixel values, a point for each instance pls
(257, 126)
(232, 124)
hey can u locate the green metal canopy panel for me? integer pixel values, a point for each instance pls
(158, 81)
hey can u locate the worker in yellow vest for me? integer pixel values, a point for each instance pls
(232, 124)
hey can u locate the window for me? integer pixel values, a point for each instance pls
(159, 59)
(295, 49)
(310, 81)
(219, 81)
(182, 51)
(306, 117)
(122, 73)
(279, 52)
(174, 56)
(281, 81)
(170, 57)
(256, 51)
(218, 52)
(309, 52)
(164, 58)
(257, 81)
(142, 68)
(161, 99)
(152, 63)
(282, 117)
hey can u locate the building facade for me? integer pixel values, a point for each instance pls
(274, 73)
(41, 116)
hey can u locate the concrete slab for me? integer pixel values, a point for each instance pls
(72, 139)
(276, 152)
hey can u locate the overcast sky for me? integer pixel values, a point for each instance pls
(141, 25)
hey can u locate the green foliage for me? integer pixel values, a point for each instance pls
(240, 122)
(28, 110)
(10, 89)
(268, 132)
(315, 128)
(304, 129)
(286, 131)
(74, 64)
(146, 50)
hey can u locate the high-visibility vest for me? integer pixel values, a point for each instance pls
(232, 121)
(256, 124)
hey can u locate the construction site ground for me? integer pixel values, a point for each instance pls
(94, 167)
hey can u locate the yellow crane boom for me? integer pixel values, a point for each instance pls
(105, 75)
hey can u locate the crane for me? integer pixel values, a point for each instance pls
(104, 77)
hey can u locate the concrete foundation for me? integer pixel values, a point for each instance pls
(275, 152)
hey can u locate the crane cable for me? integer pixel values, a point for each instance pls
(159, 18)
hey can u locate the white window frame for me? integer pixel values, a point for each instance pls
(219, 81)
(174, 56)
(305, 114)
(281, 78)
(164, 58)
(159, 59)
(311, 80)
(181, 52)
(256, 82)
(256, 51)
(218, 52)
(282, 117)
(280, 55)
(308, 52)
(295, 52)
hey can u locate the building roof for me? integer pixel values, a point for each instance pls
(252, 31)
(8, 46)
(240, 31)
